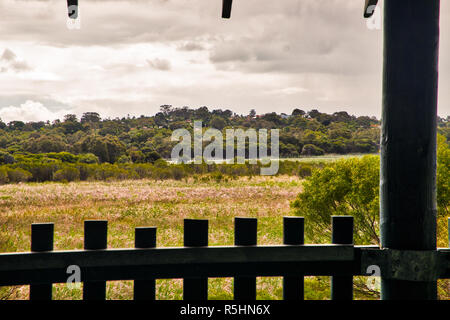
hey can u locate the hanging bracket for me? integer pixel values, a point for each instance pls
(72, 9)
(369, 8)
(226, 8)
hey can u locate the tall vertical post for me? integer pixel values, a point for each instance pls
(41, 241)
(408, 139)
(293, 234)
(95, 238)
(245, 234)
(342, 233)
(195, 235)
(144, 237)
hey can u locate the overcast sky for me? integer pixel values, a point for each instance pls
(131, 56)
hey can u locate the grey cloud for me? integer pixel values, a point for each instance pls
(8, 55)
(191, 46)
(160, 64)
(10, 62)
(230, 52)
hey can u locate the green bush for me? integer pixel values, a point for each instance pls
(312, 150)
(304, 170)
(124, 159)
(41, 170)
(88, 158)
(18, 175)
(3, 176)
(152, 156)
(178, 173)
(63, 156)
(67, 174)
(345, 187)
(6, 158)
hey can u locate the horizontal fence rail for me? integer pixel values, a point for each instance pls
(196, 261)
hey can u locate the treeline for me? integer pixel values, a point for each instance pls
(145, 139)
(66, 167)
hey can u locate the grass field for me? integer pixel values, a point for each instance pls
(326, 157)
(164, 204)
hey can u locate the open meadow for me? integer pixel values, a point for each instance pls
(164, 204)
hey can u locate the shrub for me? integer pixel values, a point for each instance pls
(152, 156)
(63, 156)
(304, 170)
(18, 175)
(6, 158)
(67, 174)
(312, 150)
(124, 159)
(143, 170)
(178, 173)
(3, 176)
(217, 176)
(88, 158)
(345, 187)
(162, 173)
(41, 170)
(85, 171)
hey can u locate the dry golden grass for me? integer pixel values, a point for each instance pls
(164, 204)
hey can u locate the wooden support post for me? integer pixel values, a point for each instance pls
(144, 238)
(41, 241)
(245, 234)
(293, 234)
(342, 233)
(195, 235)
(95, 238)
(408, 139)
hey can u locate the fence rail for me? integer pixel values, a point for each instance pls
(196, 262)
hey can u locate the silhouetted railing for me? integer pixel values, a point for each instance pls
(196, 261)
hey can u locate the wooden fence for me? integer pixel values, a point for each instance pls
(196, 261)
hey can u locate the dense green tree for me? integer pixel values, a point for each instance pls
(6, 158)
(107, 149)
(46, 143)
(312, 150)
(298, 112)
(217, 123)
(90, 117)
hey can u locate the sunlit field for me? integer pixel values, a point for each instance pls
(164, 204)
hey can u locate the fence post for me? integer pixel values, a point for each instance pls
(293, 234)
(342, 233)
(41, 241)
(408, 137)
(95, 238)
(195, 235)
(245, 234)
(144, 237)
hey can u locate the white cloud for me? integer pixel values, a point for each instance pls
(10, 62)
(30, 111)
